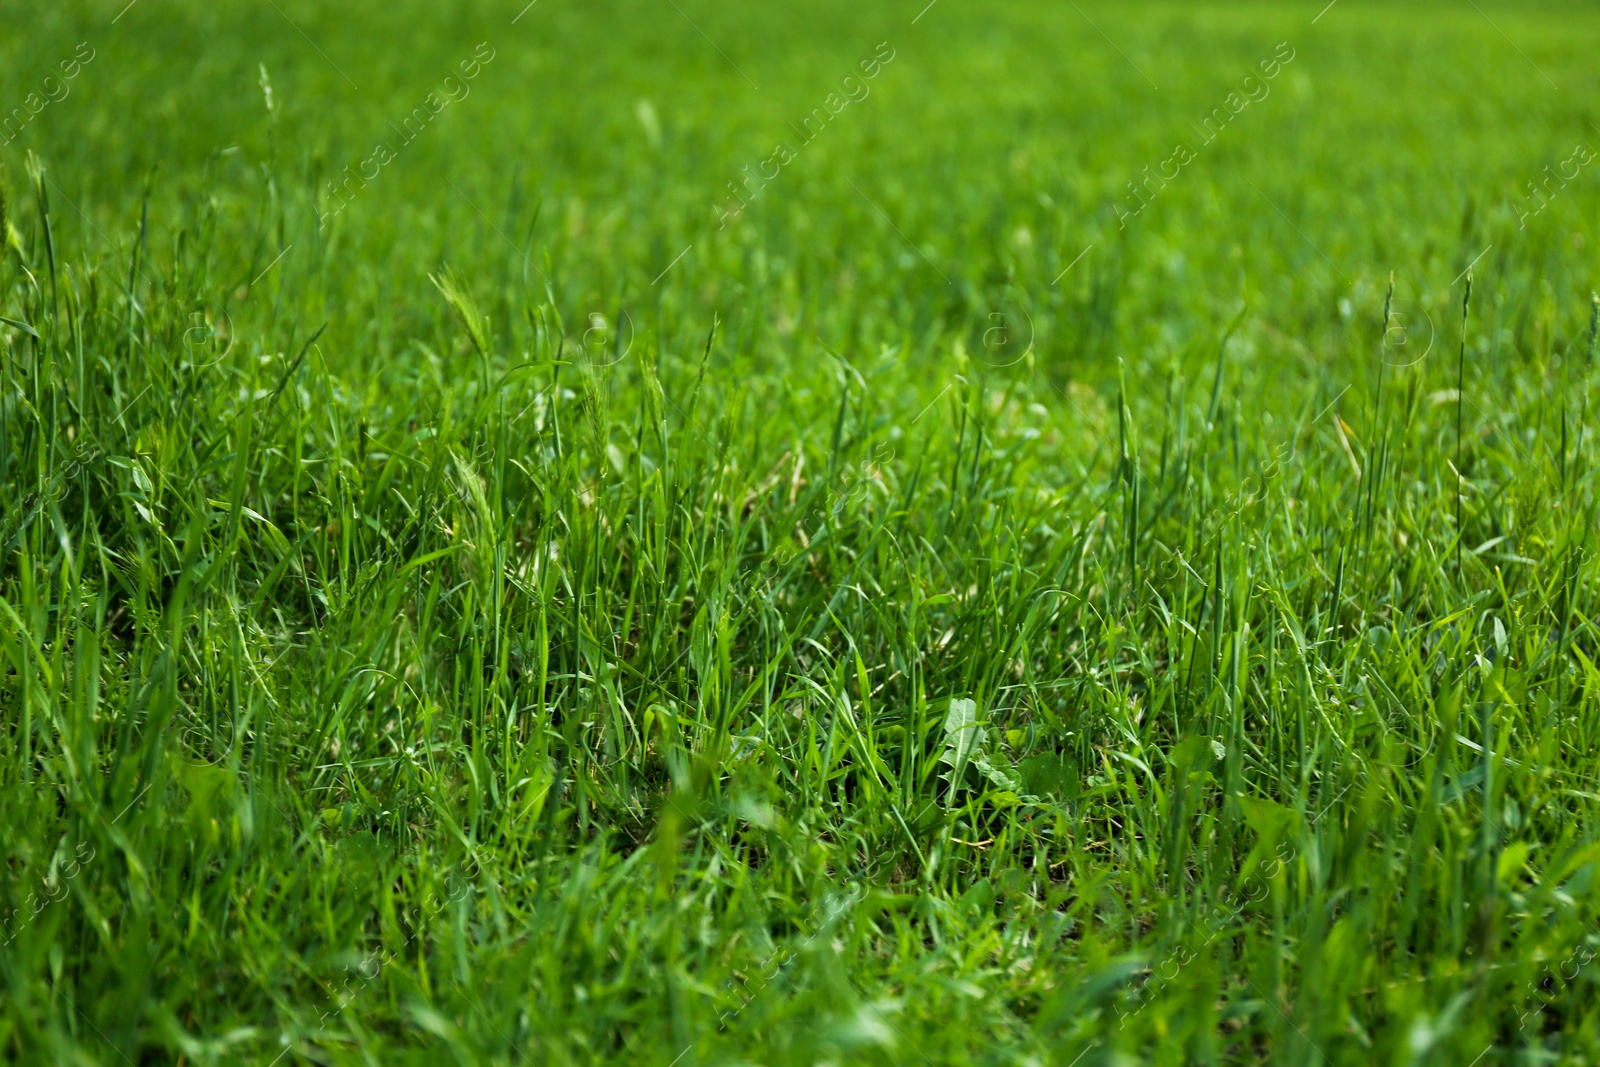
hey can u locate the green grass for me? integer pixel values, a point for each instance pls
(921, 619)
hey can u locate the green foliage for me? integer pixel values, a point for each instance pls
(485, 600)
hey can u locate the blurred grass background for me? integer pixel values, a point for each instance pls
(1398, 135)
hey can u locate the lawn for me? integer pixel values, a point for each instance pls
(667, 533)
